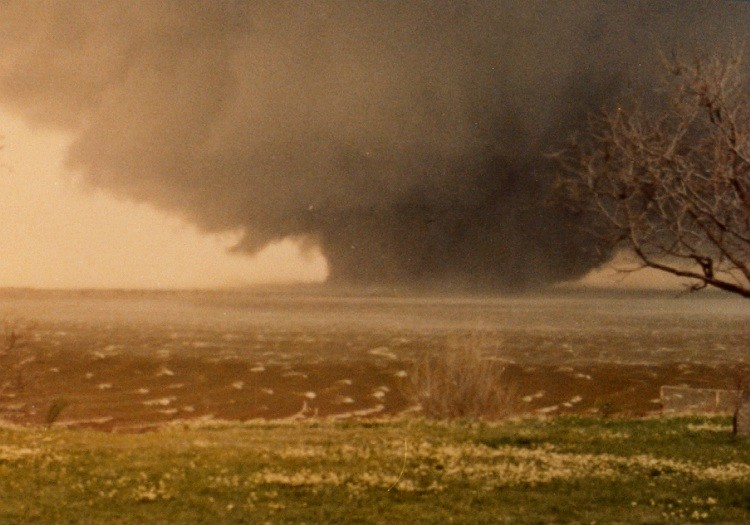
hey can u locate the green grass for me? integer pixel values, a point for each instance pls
(402, 471)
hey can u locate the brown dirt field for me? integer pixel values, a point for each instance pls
(136, 392)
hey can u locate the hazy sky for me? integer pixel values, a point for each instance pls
(57, 233)
(375, 142)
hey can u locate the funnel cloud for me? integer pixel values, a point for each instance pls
(405, 139)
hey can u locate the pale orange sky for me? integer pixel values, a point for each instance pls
(54, 233)
(613, 276)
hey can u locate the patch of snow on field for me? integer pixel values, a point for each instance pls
(383, 351)
(360, 413)
(380, 392)
(163, 401)
(572, 401)
(294, 373)
(530, 398)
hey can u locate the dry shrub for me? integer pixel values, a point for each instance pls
(460, 382)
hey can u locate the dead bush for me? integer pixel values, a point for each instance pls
(460, 382)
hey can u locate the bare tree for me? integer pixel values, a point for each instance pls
(667, 176)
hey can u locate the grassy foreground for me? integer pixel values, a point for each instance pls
(567, 469)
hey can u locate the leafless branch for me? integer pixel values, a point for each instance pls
(669, 177)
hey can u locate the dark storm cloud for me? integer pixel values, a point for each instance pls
(405, 138)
